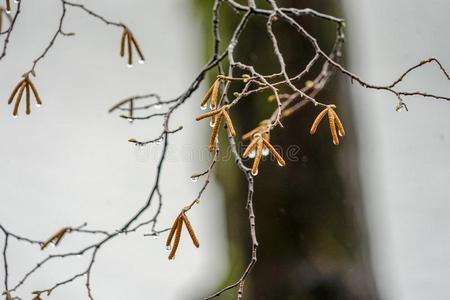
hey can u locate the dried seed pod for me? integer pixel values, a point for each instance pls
(190, 230)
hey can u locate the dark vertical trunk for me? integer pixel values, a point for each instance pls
(309, 215)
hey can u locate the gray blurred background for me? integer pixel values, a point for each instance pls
(70, 162)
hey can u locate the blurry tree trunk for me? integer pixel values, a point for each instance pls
(309, 215)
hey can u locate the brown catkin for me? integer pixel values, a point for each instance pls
(172, 231)
(214, 94)
(14, 92)
(138, 49)
(250, 148)
(207, 96)
(54, 238)
(176, 242)
(8, 296)
(317, 121)
(8, 6)
(28, 100)
(35, 92)
(251, 133)
(230, 126)
(191, 231)
(275, 153)
(341, 129)
(130, 49)
(208, 114)
(122, 42)
(258, 156)
(333, 127)
(212, 142)
(18, 99)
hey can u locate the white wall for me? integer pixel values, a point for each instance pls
(404, 156)
(70, 162)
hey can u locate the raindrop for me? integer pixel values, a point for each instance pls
(197, 201)
(141, 61)
(158, 106)
(8, 11)
(159, 141)
(130, 65)
(15, 116)
(194, 178)
(252, 154)
(211, 123)
(130, 120)
(203, 107)
(168, 248)
(16, 1)
(142, 146)
(255, 173)
(265, 152)
(38, 105)
(155, 236)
